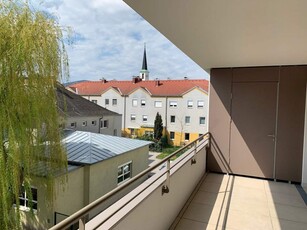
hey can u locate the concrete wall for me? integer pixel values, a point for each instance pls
(151, 208)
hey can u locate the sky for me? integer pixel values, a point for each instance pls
(108, 42)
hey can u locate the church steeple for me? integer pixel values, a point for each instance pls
(144, 73)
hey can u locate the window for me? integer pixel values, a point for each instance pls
(173, 104)
(186, 136)
(84, 123)
(94, 101)
(202, 120)
(172, 119)
(133, 117)
(114, 101)
(158, 104)
(104, 124)
(200, 104)
(94, 123)
(24, 199)
(115, 132)
(73, 125)
(124, 172)
(134, 102)
(187, 119)
(143, 102)
(190, 104)
(106, 102)
(172, 135)
(145, 118)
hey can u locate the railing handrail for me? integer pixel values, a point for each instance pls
(85, 210)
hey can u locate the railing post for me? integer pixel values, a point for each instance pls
(82, 223)
(193, 160)
(165, 187)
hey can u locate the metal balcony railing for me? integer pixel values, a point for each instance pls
(81, 215)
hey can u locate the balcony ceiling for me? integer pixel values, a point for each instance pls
(236, 33)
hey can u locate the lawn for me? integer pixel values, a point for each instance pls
(167, 151)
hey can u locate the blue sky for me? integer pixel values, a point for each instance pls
(108, 42)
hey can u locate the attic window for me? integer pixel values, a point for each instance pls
(143, 102)
(106, 101)
(173, 104)
(134, 102)
(158, 104)
(190, 104)
(73, 125)
(84, 123)
(200, 104)
(94, 123)
(94, 101)
(114, 102)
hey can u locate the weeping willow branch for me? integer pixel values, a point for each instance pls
(32, 59)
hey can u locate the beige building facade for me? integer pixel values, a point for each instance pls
(182, 104)
(97, 164)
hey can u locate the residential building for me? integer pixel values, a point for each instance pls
(83, 115)
(97, 163)
(139, 102)
(255, 52)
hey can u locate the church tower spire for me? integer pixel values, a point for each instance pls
(144, 73)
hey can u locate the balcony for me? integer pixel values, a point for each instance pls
(183, 196)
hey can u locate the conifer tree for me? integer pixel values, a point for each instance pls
(158, 128)
(32, 59)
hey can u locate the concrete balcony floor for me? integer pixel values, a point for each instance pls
(234, 202)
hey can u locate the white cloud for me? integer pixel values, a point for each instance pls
(109, 39)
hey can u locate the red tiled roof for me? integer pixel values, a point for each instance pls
(165, 87)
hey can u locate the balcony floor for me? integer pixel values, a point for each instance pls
(234, 202)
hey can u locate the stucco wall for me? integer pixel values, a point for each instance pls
(70, 197)
(114, 122)
(43, 218)
(103, 176)
(180, 127)
(124, 107)
(151, 209)
(84, 185)
(149, 109)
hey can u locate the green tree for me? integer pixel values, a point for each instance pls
(158, 128)
(32, 60)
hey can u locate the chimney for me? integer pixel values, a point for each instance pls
(136, 79)
(103, 80)
(157, 82)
